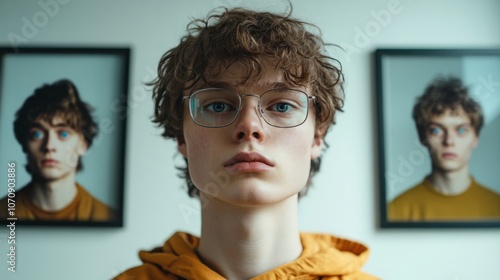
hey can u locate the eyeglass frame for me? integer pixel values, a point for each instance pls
(260, 110)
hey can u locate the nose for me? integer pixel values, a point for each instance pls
(448, 139)
(49, 144)
(249, 123)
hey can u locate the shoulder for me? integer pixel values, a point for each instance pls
(485, 192)
(176, 256)
(20, 198)
(99, 210)
(145, 272)
(413, 192)
(19, 193)
(410, 202)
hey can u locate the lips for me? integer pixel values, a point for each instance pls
(248, 162)
(49, 162)
(449, 155)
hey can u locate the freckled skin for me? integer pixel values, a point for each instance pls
(291, 149)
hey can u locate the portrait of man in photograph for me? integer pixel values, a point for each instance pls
(55, 129)
(448, 122)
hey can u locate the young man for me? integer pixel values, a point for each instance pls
(249, 98)
(55, 128)
(448, 121)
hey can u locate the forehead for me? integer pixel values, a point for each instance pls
(451, 117)
(48, 123)
(241, 71)
(244, 74)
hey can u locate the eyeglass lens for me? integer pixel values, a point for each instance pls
(215, 107)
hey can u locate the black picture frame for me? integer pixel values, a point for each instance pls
(401, 75)
(101, 76)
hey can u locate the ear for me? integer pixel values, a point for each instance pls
(181, 147)
(318, 142)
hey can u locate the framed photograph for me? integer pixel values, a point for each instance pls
(438, 137)
(63, 115)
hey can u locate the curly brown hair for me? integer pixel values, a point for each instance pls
(252, 38)
(60, 99)
(441, 95)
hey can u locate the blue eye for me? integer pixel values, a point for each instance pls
(36, 134)
(218, 107)
(281, 107)
(64, 134)
(435, 131)
(461, 130)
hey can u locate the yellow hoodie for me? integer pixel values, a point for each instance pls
(323, 257)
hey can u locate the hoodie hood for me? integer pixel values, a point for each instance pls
(323, 256)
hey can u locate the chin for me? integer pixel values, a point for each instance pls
(52, 175)
(256, 195)
(450, 168)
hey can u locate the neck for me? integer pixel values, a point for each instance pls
(241, 242)
(450, 182)
(54, 195)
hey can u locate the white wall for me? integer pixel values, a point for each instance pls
(343, 201)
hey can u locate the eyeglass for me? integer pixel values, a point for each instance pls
(218, 107)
